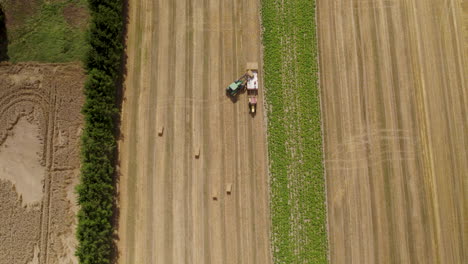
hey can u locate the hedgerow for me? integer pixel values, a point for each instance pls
(298, 207)
(96, 189)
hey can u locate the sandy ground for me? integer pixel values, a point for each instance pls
(181, 56)
(40, 126)
(395, 102)
(20, 161)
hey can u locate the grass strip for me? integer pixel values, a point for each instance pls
(46, 36)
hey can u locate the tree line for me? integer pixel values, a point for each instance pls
(96, 189)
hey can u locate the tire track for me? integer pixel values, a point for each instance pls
(238, 115)
(231, 213)
(145, 125)
(24, 99)
(230, 141)
(197, 192)
(204, 121)
(245, 131)
(223, 171)
(151, 131)
(162, 213)
(128, 202)
(189, 129)
(16, 96)
(170, 136)
(180, 163)
(213, 170)
(400, 108)
(396, 213)
(45, 208)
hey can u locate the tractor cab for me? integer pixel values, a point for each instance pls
(235, 87)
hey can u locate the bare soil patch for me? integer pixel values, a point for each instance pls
(20, 161)
(395, 103)
(18, 11)
(40, 126)
(76, 16)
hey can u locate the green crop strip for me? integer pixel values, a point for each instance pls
(96, 190)
(298, 206)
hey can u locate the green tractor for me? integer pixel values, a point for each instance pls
(234, 88)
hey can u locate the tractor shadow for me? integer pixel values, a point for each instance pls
(235, 98)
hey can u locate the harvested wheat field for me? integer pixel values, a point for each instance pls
(395, 103)
(181, 56)
(40, 126)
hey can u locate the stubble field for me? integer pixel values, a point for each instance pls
(181, 56)
(395, 102)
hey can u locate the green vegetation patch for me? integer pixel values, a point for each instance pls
(47, 35)
(298, 206)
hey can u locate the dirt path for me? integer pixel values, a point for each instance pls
(181, 55)
(395, 103)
